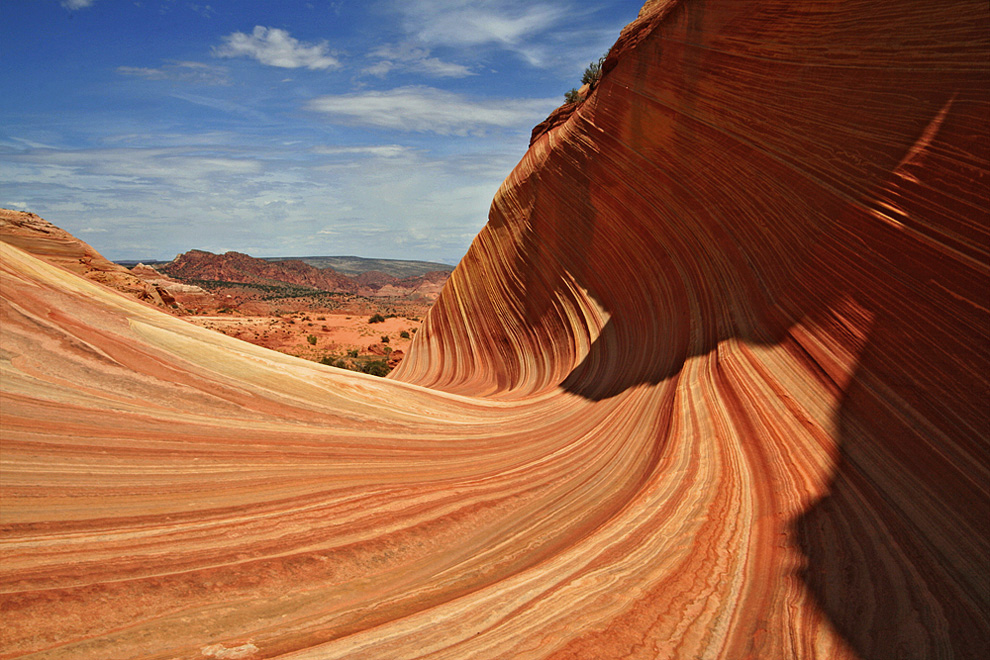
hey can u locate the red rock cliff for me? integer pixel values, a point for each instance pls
(712, 383)
(768, 226)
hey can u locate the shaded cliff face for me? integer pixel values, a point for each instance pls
(777, 215)
(710, 384)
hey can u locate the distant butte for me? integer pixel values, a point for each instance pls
(712, 383)
(238, 267)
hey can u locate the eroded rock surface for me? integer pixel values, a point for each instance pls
(712, 383)
(41, 238)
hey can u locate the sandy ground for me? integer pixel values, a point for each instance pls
(336, 334)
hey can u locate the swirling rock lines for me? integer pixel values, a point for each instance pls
(711, 383)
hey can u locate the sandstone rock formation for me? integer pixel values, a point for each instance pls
(40, 237)
(186, 295)
(712, 383)
(238, 267)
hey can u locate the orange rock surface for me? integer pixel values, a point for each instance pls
(712, 383)
(41, 238)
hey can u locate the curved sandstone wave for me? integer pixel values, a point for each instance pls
(712, 383)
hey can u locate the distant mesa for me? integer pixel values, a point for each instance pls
(352, 266)
(346, 265)
(237, 267)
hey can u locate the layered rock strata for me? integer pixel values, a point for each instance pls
(712, 383)
(40, 237)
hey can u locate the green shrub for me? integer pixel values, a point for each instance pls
(377, 318)
(311, 339)
(404, 334)
(384, 339)
(376, 368)
(353, 353)
(593, 73)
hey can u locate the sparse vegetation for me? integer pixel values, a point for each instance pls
(593, 73)
(384, 339)
(377, 318)
(376, 368)
(353, 353)
(311, 339)
(404, 334)
(591, 76)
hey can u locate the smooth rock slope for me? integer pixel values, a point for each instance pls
(712, 383)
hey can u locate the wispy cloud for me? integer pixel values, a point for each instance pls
(430, 110)
(275, 47)
(77, 4)
(189, 72)
(206, 11)
(507, 24)
(410, 59)
(157, 201)
(379, 150)
(222, 105)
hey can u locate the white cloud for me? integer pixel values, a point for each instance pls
(508, 24)
(190, 72)
(206, 11)
(381, 69)
(380, 150)
(275, 47)
(77, 4)
(385, 200)
(411, 59)
(431, 110)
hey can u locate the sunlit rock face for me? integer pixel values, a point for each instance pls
(38, 236)
(712, 383)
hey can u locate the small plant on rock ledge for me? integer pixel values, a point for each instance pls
(592, 75)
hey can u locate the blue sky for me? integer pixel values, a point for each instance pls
(376, 128)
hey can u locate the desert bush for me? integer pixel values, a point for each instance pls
(353, 353)
(384, 339)
(404, 334)
(593, 73)
(376, 368)
(377, 318)
(311, 339)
